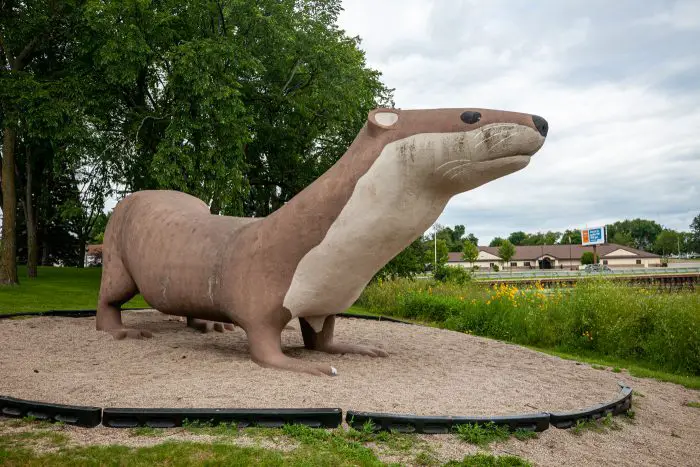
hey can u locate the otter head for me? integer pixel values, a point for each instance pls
(456, 150)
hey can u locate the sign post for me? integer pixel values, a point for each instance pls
(593, 236)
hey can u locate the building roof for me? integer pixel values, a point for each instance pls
(94, 249)
(534, 252)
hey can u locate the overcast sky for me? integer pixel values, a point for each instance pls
(618, 81)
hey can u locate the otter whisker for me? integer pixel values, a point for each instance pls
(459, 172)
(504, 139)
(456, 161)
(493, 135)
(458, 168)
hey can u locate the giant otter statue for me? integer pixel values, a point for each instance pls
(312, 258)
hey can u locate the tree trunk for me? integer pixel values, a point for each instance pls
(215, 207)
(45, 251)
(8, 256)
(32, 244)
(83, 252)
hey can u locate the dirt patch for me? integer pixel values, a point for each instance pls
(429, 372)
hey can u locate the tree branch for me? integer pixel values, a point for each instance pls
(3, 54)
(221, 17)
(28, 49)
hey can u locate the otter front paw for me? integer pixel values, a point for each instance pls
(124, 333)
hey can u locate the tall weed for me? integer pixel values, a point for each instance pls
(597, 316)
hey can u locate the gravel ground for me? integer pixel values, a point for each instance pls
(429, 372)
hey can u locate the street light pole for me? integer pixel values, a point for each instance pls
(435, 238)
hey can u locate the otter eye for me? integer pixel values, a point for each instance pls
(470, 117)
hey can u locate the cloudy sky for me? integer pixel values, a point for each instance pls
(619, 83)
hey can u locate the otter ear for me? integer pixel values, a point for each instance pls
(383, 118)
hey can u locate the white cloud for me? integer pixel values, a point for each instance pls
(621, 98)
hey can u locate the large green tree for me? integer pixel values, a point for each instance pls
(694, 242)
(470, 252)
(667, 242)
(36, 101)
(241, 103)
(638, 233)
(497, 241)
(571, 237)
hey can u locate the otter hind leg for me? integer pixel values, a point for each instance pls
(323, 341)
(265, 343)
(209, 326)
(117, 288)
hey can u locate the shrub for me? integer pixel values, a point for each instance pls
(452, 274)
(587, 257)
(597, 316)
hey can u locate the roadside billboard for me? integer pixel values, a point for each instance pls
(593, 236)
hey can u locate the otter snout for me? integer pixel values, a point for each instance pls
(541, 125)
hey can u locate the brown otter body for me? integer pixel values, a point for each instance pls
(312, 258)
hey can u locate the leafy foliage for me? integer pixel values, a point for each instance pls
(587, 258)
(598, 317)
(409, 263)
(452, 274)
(571, 237)
(470, 251)
(241, 104)
(668, 241)
(497, 241)
(638, 233)
(506, 251)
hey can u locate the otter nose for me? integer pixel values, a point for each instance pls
(541, 125)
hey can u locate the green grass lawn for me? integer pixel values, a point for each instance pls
(38, 444)
(56, 289)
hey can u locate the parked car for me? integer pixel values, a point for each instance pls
(597, 268)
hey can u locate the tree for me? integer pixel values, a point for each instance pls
(506, 251)
(695, 234)
(39, 96)
(517, 238)
(587, 257)
(667, 242)
(442, 253)
(622, 238)
(453, 237)
(408, 263)
(571, 237)
(470, 252)
(497, 241)
(642, 233)
(286, 93)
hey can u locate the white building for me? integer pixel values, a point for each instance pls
(559, 257)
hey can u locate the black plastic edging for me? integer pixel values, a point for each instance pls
(440, 425)
(71, 414)
(88, 313)
(568, 419)
(268, 418)
(60, 313)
